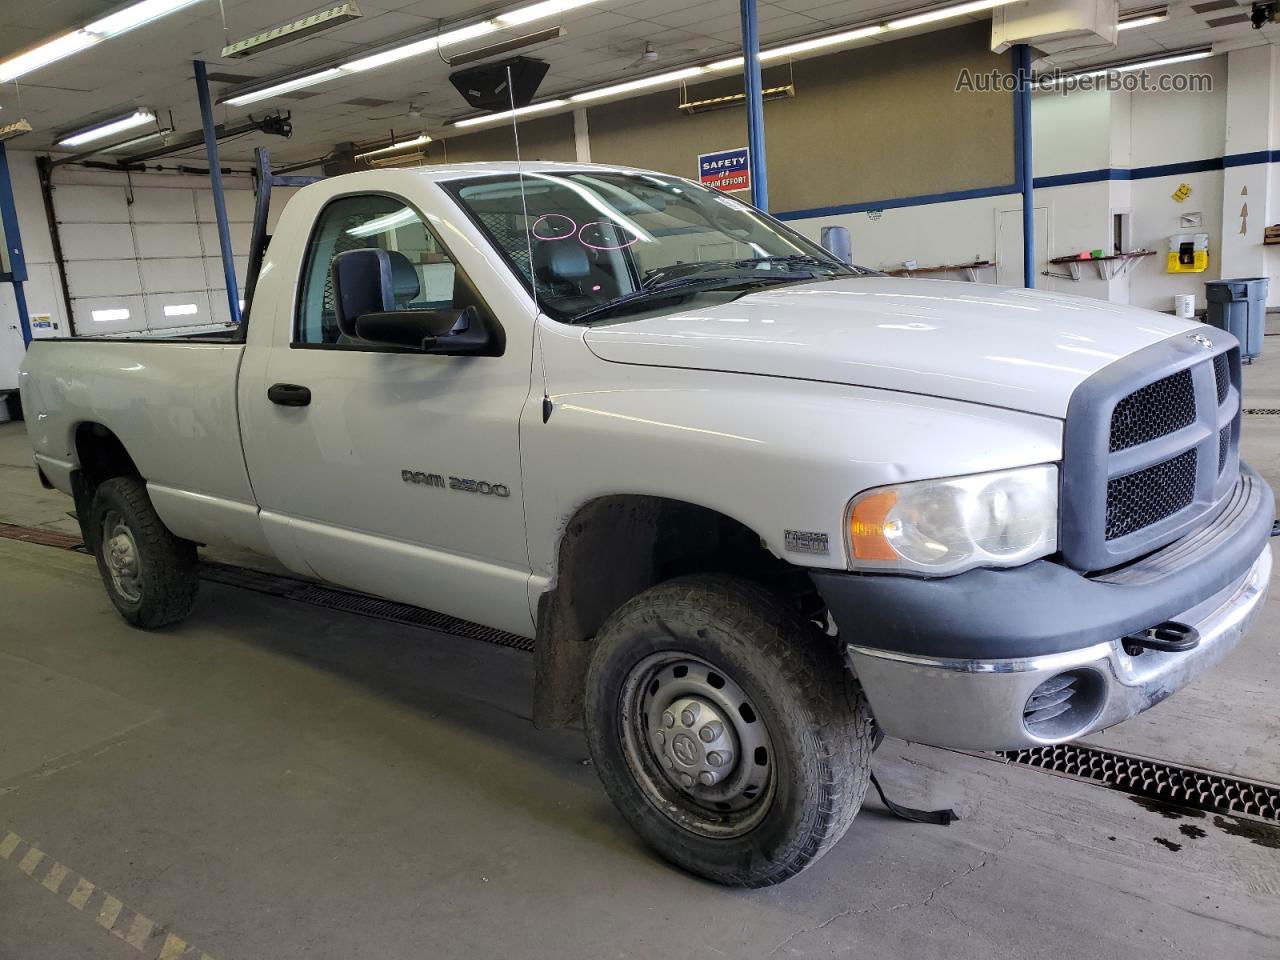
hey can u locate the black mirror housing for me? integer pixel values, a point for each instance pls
(446, 332)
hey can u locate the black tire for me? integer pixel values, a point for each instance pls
(815, 717)
(161, 582)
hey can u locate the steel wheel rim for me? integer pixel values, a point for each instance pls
(120, 553)
(672, 759)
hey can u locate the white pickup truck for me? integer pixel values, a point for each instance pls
(756, 507)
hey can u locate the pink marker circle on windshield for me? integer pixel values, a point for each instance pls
(554, 226)
(604, 235)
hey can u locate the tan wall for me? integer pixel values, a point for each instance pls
(866, 124)
(541, 138)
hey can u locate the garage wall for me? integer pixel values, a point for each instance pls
(865, 124)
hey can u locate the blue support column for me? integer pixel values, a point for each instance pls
(1022, 160)
(215, 180)
(755, 104)
(17, 274)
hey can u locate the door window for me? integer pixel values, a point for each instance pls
(424, 275)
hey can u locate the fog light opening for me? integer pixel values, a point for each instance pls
(1064, 705)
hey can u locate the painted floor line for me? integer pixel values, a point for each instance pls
(135, 929)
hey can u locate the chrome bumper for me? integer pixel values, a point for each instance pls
(978, 704)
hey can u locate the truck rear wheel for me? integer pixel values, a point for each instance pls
(730, 736)
(150, 574)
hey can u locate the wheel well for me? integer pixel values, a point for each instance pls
(618, 546)
(101, 456)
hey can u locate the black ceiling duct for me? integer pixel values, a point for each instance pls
(485, 86)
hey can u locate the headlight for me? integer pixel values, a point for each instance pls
(940, 527)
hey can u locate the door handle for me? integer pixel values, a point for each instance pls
(289, 394)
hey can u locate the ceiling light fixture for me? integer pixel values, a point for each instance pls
(64, 45)
(136, 141)
(405, 50)
(736, 63)
(519, 112)
(293, 31)
(419, 141)
(296, 83)
(15, 129)
(1127, 66)
(107, 129)
(1144, 17)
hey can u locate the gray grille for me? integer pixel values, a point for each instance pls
(1049, 701)
(1224, 447)
(1155, 410)
(1222, 375)
(1140, 499)
(1150, 778)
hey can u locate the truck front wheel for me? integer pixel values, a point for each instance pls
(726, 730)
(150, 574)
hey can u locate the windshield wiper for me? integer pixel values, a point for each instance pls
(664, 275)
(681, 286)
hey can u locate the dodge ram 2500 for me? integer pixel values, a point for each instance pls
(757, 508)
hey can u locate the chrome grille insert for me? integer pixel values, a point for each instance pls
(1140, 499)
(1156, 410)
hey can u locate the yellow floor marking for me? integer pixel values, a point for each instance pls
(81, 894)
(32, 860)
(110, 910)
(53, 879)
(174, 947)
(139, 932)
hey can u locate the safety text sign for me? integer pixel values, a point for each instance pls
(726, 170)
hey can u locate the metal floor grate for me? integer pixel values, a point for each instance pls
(335, 598)
(1262, 411)
(40, 535)
(1141, 777)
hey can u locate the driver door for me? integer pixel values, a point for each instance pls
(384, 469)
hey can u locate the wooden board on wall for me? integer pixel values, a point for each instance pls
(872, 123)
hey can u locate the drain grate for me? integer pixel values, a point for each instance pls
(1262, 411)
(1141, 777)
(40, 535)
(333, 598)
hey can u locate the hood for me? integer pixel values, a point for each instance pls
(1021, 349)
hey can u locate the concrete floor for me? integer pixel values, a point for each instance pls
(271, 779)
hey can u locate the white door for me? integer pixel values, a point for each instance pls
(400, 476)
(1009, 247)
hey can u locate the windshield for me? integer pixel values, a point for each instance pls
(614, 245)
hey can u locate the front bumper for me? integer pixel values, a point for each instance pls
(978, 704)
(953, 672)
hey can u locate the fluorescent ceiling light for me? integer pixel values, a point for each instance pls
(296, 83)
(419, 141)
(135, 15)
(1136, 65)
(1142, 17)
(671, 76)
(505, 114)
(414, 48)
(401, 218)
(294, 31)
(108, 129)
(817, 43)
(944, 13)
(1142, 21)
(112, 25)
(46, 53)
(536, 11)
(15, 129)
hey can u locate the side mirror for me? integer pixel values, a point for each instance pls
(835, 240)
(371, 287)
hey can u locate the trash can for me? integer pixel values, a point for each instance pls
(1240, 307)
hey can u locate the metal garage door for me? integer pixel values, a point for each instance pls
(145, 259)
